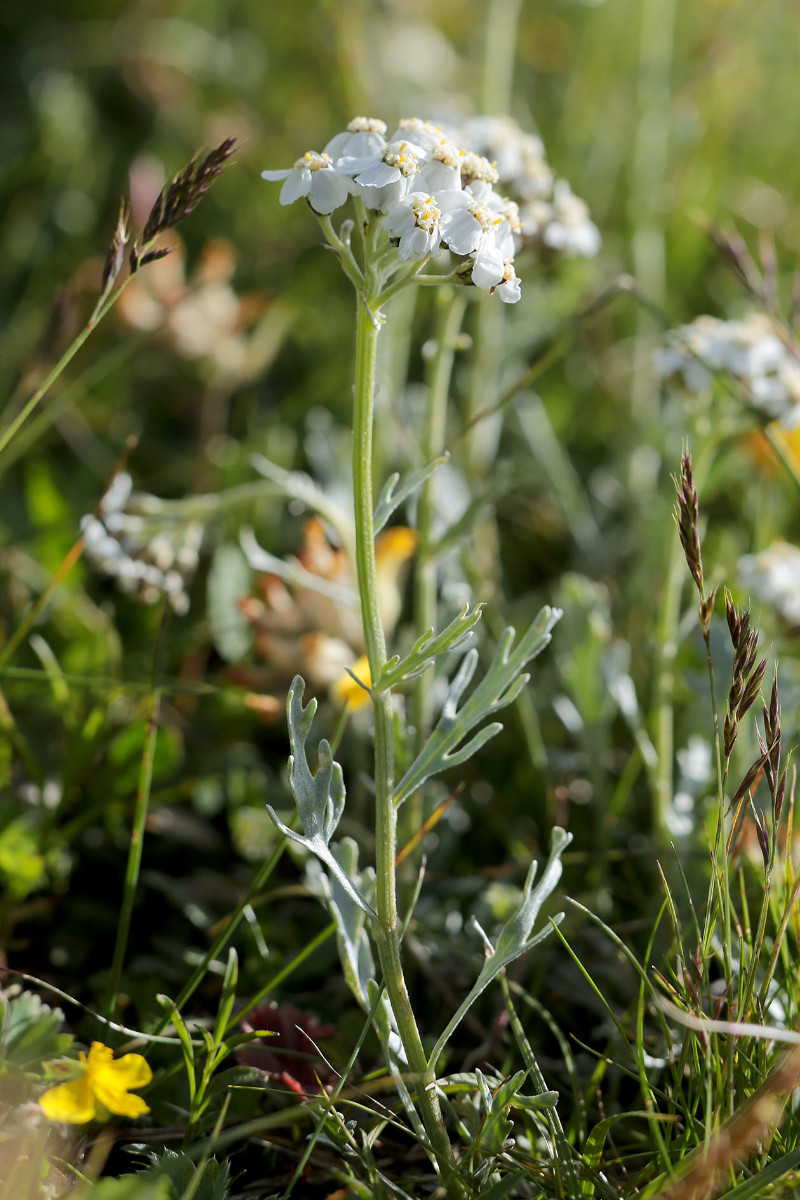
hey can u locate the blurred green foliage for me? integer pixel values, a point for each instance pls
(666, 116)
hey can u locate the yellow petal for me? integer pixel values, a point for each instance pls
(111, 1082)
(346, 691)
(121, 1103)
(72, 1102)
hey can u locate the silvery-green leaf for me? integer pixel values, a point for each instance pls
(502, 683)
(420, 657)
(319, 797)
(392, 496)
(355, 951)
(296, 485)
(515, 936)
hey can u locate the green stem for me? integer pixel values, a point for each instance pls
(666, 652)
(386, 930)
(103, 308)
(452, 306)
(139, 819)
(721, 852)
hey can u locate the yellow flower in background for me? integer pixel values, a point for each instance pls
(345, 691)
(102, 1087)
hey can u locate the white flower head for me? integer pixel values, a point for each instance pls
(425, 134)
(314, 177)
(442, 169)
(472, 227)
(502, 140)
(508, 289)
(475, 169)
(570, 230)
(414, 220)
(750, 349)
(773, 576)
(391, 176)
(364, 136)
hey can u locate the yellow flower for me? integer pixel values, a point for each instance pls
(102, 1087)
(346, 691)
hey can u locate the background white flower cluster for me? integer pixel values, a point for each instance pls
(144, 562)
(773, 576)
(550, 214)
(751, 349)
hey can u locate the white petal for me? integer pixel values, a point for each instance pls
(328, 191)
(398, 220)
(378, 175)
(437, 176)
(414, 244)
(366, 144)
(298, 183)
(461, 231)
(489, 266)
(273, 176)
(480, 190)
(354, 164)
(338, 144)
(509, 291)
(448, 199)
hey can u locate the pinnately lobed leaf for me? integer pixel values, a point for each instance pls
(515, 936)
(319, 798)
(501, 685)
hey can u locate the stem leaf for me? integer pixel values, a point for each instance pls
(420, 657)
(515, 936)
(390, 499)
(502, 683)
(319, 797)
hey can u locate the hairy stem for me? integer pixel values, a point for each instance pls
(386, 929)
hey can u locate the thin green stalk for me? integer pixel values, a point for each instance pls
(70, 396)
(139, 819)
(386, 929)
(452, 307)
(302, 956)
(664, 683)
(33, 613)
(7, 435)
(721, 850)
(332, 1097)
(499, 49)
(222, 939)
(563, 1162)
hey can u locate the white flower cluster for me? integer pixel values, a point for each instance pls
(147, 566)
(750, 349)
(430, 192)
(773, 576)
(550, 214)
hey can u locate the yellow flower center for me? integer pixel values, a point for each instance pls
(486, 217)
(475, 166)
(426, 214)
(314, 161)
(367, 125)
(404, 159)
